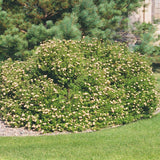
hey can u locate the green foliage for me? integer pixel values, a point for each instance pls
(75, 85)
(68, 28)
(30, 18)
(156, 50)
(110, 17)
(36, 34)
(145, 39)
(12, 43)
(3, 17)
(39, 11)
(114, 17)
(125, 6)
(65, 29)
(41, 20)
(88, 18)
(13, 25)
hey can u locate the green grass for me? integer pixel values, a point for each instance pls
(136, 141)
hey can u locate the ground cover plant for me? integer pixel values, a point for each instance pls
(75, 86)
(135, 141)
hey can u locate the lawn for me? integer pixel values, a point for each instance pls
(135, 141)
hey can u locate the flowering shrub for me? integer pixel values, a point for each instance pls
(74, 86)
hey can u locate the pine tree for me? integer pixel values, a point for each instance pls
(29, 18)
(114, 16)
(39, 33)
(3, 19)
(68, 28)
(40, 11)
(88, 18)
(30, 22)
(105, 19)
(36, 34)
(145, 38)
(12, 43)
(12, 37)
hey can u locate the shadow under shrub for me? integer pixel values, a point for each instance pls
(75, 86)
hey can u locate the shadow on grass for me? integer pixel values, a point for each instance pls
(156, 67)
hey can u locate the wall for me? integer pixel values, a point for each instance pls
(156, 9)
(143, 14)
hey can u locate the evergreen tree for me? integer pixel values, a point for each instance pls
(24, 24)
(68, 28)
(114, 16)
(12, 37)
(88, 18)
(145, 38)
(40, 11)
(105, 19)
(12, 43)
(3, 19)
(35, 35)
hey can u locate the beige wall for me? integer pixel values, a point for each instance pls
(143, 14)
(156, 9)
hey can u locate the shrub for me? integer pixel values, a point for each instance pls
(75, 85)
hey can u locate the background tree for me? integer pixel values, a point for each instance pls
(30, 22)
(3, 19)
(114, 16)
(88, 18)
(38, 11)
(145, 38)
(68, 28)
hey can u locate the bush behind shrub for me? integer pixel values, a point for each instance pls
(75, 85)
